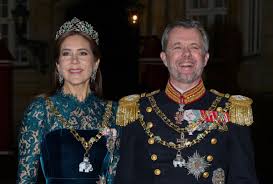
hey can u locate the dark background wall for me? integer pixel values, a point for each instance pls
(118, 43)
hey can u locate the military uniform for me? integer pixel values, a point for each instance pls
(199, 137)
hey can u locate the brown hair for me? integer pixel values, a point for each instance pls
(95, 86)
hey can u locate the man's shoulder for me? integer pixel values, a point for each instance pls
(129, 107)
(238, 107)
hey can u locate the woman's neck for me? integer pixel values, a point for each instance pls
(80, 91)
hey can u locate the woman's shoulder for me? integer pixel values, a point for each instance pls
(34, 112)
(36, 104)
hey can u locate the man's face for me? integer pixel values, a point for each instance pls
(185, 56)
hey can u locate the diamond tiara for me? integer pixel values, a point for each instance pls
(78, 26)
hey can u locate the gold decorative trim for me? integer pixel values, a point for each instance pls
(128, 110)
(240, 110)
(189, 96)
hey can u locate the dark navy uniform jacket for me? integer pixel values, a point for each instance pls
(229, 151)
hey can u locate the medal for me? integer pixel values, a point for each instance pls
(182, 141)
(179, 115)
(85, 165)
(196, 165)
(179, 161)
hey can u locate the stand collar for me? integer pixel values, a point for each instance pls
(187, 97)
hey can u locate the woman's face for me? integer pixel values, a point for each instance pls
(76, 61)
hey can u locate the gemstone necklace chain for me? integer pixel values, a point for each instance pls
(84, 166)
(86, 144)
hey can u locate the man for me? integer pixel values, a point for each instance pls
(185, 134)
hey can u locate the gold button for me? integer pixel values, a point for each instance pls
(227, 95)
(154, 157)
(209, 158)
(213, 141)
(149, 125)
(205, 174)
(219, 109)
(157, 172)
(149, 109)
(151, 140)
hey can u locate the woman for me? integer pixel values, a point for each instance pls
(71, 132)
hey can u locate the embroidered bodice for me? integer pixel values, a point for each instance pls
(43, 138)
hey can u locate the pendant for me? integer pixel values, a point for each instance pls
(179, 161)
(218, 176)
(182, 141)
(85, 165)
(179, 115)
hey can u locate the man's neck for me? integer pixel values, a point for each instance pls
(182, 88)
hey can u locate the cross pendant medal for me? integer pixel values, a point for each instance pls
(85, 165)
(179, 160)
(182, 141)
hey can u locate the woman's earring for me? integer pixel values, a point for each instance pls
(93, 76)
(60, 78)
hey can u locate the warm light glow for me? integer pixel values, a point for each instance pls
(134, 17)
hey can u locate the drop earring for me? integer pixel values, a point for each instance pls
(60, 78)
(93, 76)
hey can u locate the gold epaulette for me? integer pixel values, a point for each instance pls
(240, 111)
(128, 109)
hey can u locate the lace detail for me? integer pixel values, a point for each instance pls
(38, 122)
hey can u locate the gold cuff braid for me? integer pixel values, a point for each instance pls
(240, 111)
(128, 110)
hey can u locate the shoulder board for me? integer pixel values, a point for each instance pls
(240, 110)
(152, 93)
(128, 108)
(226, 95)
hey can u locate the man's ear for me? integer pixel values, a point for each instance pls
(206, 58)
(163, 58)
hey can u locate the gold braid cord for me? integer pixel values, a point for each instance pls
(240, 110)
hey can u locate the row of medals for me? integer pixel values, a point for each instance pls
(179, 161)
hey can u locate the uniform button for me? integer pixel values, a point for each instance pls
(209, 158)
(157, 172)
(205, 174)
(149, 109)
(151, 140)
(149, 125)
(213, 141)
(154, 157)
